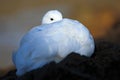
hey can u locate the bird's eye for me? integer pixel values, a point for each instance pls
(51, 19)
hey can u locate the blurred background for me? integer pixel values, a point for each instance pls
(101, 17)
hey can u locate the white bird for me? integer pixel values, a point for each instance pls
(53, 40)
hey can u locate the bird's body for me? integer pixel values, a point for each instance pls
(52, 42)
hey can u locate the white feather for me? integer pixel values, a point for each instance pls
(52, 41)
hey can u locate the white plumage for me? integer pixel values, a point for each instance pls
(53, 40)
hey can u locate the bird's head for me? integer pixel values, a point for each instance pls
(51, 16)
